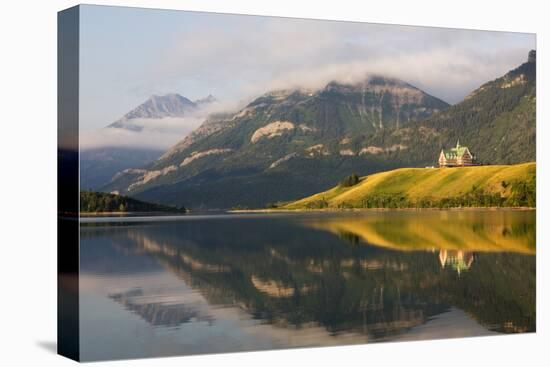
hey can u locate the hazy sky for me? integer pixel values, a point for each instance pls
(127, 54)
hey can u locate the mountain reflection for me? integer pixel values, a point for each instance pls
(167, 313)
(375, 276)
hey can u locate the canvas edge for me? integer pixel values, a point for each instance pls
(68, 330)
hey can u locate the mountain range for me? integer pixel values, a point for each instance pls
(288, 144)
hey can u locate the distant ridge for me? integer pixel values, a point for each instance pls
(99, 164)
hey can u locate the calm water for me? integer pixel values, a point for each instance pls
(210, 284)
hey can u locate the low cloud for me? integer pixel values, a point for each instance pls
(155, 133)
(446, 74)
(256, 55)
(237, 58)
(158, 133)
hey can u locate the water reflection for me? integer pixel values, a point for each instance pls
(458, 260)
(159, 311)
(246, 283)
(479, 231)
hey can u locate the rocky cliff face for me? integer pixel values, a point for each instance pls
(210, 126)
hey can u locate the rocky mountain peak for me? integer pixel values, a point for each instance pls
(161, 106)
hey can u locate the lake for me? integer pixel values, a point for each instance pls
(158, 286)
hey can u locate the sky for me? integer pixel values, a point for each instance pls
(128, 54)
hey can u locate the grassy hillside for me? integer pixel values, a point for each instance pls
(100, 202)
(498, 185)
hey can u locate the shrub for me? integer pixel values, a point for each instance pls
(350, 180)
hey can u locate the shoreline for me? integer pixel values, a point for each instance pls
(128, 214)
(332, 210)
(275, 211)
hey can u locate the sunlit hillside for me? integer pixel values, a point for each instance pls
(496, 185)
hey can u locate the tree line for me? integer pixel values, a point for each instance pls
(97, 202)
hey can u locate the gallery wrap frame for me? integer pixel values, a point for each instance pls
(68, 260)
(69, 185)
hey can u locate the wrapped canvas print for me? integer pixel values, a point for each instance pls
(235, 183)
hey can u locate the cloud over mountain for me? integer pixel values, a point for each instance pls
(239, 57)
(158, 123)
